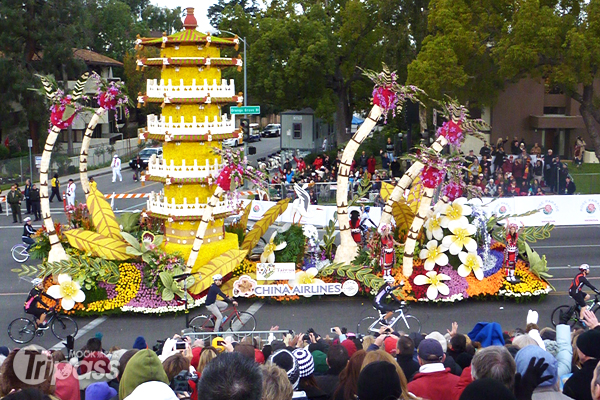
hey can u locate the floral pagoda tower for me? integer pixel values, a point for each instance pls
(191, 93)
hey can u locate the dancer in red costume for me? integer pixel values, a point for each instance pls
(511, 252)
(355, 226)
(388, 252)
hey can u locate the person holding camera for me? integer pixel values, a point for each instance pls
(215, 306)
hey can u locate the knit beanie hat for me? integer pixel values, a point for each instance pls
(350, 347)
(488, 389)
(379, 381)
(588, 343)
(525, 355)
(306, 364)
(4, 351)
(140, 343)
(286, 360)
(320, 360)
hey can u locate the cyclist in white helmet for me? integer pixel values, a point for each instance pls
(215, 306)
(576, 292)
(379, 302)
(34, 304)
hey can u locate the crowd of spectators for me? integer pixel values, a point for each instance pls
(521, 172)
(486, 363)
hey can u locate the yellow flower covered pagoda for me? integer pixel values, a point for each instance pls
(191, 94)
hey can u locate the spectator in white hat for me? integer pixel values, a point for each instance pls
(308, 383)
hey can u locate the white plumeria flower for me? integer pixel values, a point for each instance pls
(456, 213)
(268, 255)
(306, 278)
(433, 227)
(68, 291)
(470, 262)
(436, 284)
(461, 237)
(434, 254)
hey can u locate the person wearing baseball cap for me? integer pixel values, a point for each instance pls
(588, 348)
(433, 381)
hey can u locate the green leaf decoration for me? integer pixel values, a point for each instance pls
(131, 240)
(68, 113)
(129, 221)
(354, 272)
(532, 234)
(538, 265)
(260, 227)
(26, 270)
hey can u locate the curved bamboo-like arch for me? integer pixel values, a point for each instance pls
(85, 146)
(57, 252)
(347, 250)
(406, 180)
(206, 217)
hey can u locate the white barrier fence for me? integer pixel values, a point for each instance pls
(556, 210)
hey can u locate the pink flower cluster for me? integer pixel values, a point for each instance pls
(385, 98)
(147, 296)
(432, 176)
(453, 190)
(452, 132)
(111, 95)
(57, 111)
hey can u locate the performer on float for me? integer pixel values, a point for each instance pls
(388, 252)
(355, 226)
(511, 252)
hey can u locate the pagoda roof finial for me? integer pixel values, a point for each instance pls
(190, 20)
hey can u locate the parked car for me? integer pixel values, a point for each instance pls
(145, 155)
(254, 135)
(272, 130)
(234, 142)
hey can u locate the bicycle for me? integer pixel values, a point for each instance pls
(19, 252)
(23, 330)
(412, 323)
(238, 321)
(593, 306)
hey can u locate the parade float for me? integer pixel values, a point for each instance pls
(433, 236)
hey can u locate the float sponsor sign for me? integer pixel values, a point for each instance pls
(246, 286)
(275, 271)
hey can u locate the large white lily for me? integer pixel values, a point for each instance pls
(470, 262)
(433, 227)
(433, 254)
(68, 291)
(306, 278)
(268, 254)
(461, 237)
(456, 213)
(435, 282)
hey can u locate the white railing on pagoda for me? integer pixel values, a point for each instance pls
(157, 203)
(160, 126)
(163, 169)
(155, 88)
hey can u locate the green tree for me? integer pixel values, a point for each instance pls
(456, 56)
(560, 42)
(36, 37)
(216, 12)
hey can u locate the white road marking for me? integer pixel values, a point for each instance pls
(252, 310)
(82, 331)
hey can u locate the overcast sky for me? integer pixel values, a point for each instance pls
(200, 9)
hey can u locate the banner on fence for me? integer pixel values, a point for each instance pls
(556, 210)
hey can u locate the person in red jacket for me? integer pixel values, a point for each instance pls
(300, 164)
(318, 163)
(433, 381)
(371, 163)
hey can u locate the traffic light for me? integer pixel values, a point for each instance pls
(245, 127)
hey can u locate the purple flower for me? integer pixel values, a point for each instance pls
(457, 284)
